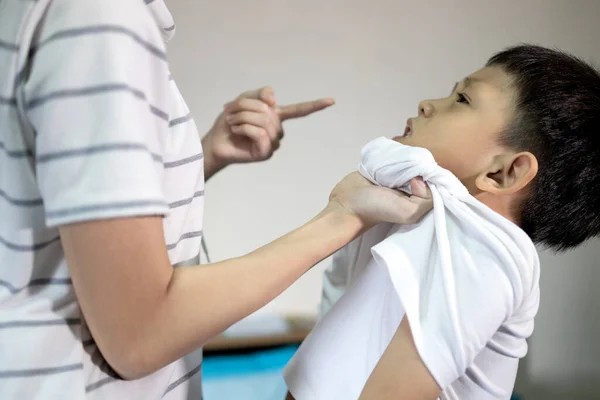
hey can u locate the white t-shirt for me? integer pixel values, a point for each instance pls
(466, 278)
(92, 126)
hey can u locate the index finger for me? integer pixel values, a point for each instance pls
(303, 109)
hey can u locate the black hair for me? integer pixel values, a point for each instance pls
(557, 119)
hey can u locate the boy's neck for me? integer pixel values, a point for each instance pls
(500, 204)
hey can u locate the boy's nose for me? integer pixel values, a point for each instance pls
(425, 109)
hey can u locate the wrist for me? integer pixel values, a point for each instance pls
(212, 162)
(341, 217)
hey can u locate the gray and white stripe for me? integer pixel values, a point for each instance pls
(93, 150)
(187, 235)
(97, 385)
(183, 161)
(95, 90)
(183, 379)
(8, 46)
(89, 208)
(13, 289)
(103, 29)
(24, 373)
(39, 323)
(15, 153)
(21, 202)
(28, 247)
(184, 202)
(8, 101)
(180, 120)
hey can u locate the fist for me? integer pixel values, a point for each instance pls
(374, 204)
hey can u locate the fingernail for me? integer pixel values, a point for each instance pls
(229, 118)
(226, 105)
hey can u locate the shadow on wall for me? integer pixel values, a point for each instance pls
(564, 353)
(584, 389)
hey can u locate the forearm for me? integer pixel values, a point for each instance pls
(143, 313)
(203, 301)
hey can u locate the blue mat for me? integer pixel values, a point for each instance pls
(252, 376)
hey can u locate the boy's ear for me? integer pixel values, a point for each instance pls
(508, 174)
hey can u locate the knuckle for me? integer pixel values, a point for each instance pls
(266, 91)
(238, 118)
(253, 105)
(271, 131)
(263, 108)
(263, 137)
(266, 150)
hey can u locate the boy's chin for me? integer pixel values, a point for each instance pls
(405, 140)
(409, 141)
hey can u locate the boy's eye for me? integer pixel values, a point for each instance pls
(461, 98)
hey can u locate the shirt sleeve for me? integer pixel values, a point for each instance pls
(336, 278)
(346, 264)
(454, 305)
(96, 97)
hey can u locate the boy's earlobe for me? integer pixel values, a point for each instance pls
(509, 174)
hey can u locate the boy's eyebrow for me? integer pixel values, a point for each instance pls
(454, 88)
(468, 81)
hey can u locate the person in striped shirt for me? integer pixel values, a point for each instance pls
(102, 177)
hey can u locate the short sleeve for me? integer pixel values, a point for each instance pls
(97, 99)
(346, 264)
(454, 306)
(335, 280)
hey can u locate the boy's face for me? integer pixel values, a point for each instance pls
(462, 130)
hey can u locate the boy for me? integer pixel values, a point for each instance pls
(102, 174)
(521, 136)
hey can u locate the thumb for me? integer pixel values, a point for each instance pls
(420, 189)
(265, 94)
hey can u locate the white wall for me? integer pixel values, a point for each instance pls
(377, 58)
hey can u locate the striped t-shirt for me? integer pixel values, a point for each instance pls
(92, 126)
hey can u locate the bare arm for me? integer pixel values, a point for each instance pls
(400, 373)
(144, 314)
